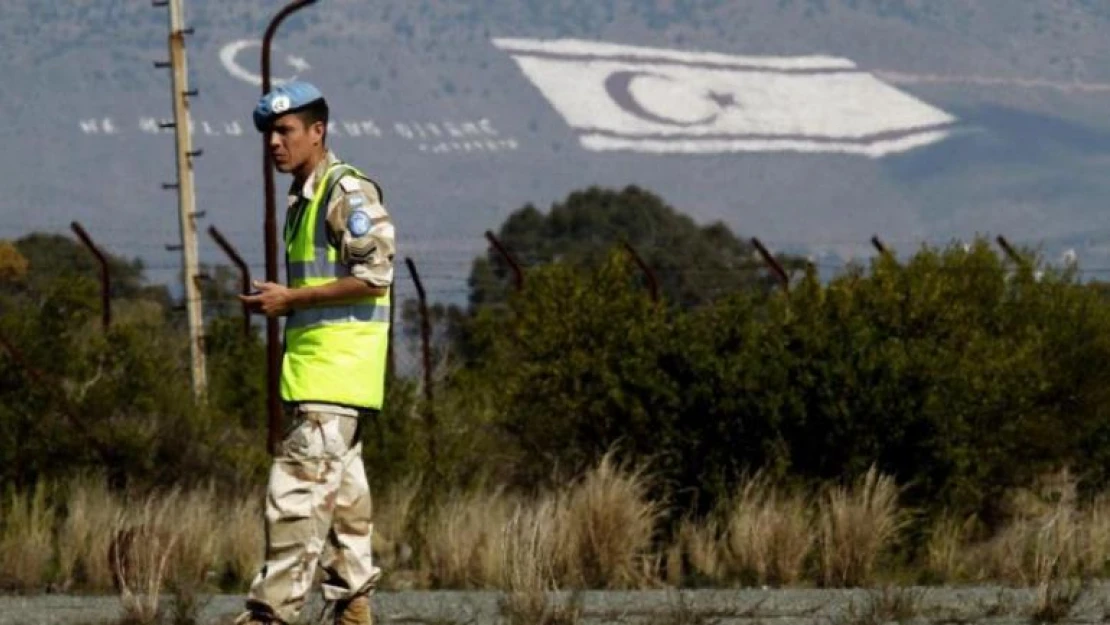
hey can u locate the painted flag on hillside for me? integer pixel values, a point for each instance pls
(657, 100)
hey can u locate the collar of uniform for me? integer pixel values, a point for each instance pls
(309, 187)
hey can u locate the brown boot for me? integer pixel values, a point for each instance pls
(251, 618)
(353, 611)
(258, 614)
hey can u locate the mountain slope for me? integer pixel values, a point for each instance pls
(1025, 82)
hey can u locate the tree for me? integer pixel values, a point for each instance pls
(118, 400)
(53, 256)
(13, 266)
(693, 264)
(940, 370)
(575, 369)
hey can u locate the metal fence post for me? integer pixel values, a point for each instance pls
(779, 272)
(518, 273)
(105, 278)
(273, 346)
(244, 273)
(653, 284)
(426, 354)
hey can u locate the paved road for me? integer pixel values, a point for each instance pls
(951, 606)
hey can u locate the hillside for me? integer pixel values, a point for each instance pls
(1023, 83)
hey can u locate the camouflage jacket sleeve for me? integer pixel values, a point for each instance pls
(362, 230)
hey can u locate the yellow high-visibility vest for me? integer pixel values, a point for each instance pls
(334, 354)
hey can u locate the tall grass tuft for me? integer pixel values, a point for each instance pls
(531, 544)
(596, 532)
(168, 541)
(698, 547)
(1047, 538)
(769, 534)
(26, 539)
(946, 548)
(608, 527)
(857, 525)
(196, 557)
(85, 534)
(393, 517)
(144, 539)
(241, 539)
(1094, 538)
(461, 542)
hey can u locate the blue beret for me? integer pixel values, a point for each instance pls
(283, 99)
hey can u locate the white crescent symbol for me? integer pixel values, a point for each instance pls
(230, 52)
(619, 86)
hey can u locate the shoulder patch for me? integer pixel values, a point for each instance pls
(359, 223)
(355, 202)
(350, 184)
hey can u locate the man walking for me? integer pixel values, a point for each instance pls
(339, 246)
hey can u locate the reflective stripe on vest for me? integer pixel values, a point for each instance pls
(302, 270)
(337, 314)
(333, 354)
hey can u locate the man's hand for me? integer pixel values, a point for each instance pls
(273, 300)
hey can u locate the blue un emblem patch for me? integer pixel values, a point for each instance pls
(358, 223)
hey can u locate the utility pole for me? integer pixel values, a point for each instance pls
(186, 202)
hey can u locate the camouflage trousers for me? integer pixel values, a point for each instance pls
(317, 514)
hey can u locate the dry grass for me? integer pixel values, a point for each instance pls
(597, 532)
(167, 541)
(1050, 537)
(201, 518)
(769, 534)
(393, 513)
(1093, 533)
(26, 540)
(699, 548)
(857, 525)
(608, 527)
(242, 540)
(145, 540)
(531, 546)
(945, 552)
(462, 546)
(86, 533)
(1029, 551)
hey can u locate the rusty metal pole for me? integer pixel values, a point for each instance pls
(653, 284)
(518, 273)
(105, 278)
(244, 273)
(426, 353)
(780, 273)
(1010, 251)
(273, 346)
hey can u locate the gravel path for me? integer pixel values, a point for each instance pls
(951, 606)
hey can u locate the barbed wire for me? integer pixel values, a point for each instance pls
(450, 261)
(455, 244)
(687, 272)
